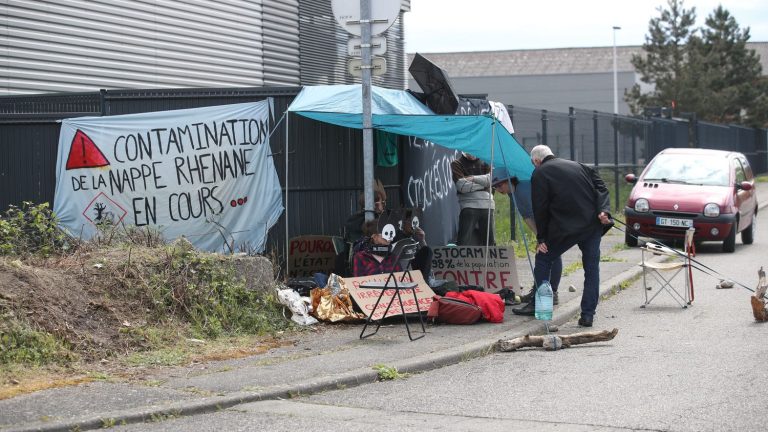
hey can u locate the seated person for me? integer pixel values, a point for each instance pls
(353, 228)
(365, 262)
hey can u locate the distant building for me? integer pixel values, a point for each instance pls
(551, 79)
(82, 45)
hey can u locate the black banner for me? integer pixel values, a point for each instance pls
(428, 185)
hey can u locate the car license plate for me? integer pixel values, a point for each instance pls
(673, 222)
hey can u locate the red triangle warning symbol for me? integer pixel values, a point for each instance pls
(83, 153)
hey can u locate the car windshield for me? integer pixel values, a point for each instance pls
(689, 169)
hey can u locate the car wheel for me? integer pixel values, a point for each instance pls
(729, 244)
(748, 235)
(629, 238)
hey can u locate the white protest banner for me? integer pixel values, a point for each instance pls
(203, 173)
(466, 266)
(366, 298)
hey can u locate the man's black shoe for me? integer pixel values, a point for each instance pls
(555, 300)
(585, 321)
(527, 297)
(527, 309)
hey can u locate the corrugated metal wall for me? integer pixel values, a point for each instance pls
(323, 48)
(29, 133)
(281, 42)
(85, 45)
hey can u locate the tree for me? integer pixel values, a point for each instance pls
(664, 61)
(734, 71)
(709, 71)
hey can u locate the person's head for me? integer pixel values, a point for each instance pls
(501, 181)
(469, 156)
(379, 197)
(539, 153)
(502, 187)
(371, 229)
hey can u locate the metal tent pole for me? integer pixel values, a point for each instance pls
(287, 237)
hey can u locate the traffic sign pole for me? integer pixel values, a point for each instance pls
(357, 17)
(365, 48)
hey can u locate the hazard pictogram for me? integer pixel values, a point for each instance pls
(83, 153)
(104, 210)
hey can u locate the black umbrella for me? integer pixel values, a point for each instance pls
(436, 85)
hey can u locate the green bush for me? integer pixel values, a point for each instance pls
(22, 345)
(204, 290)
(504, 227)
(31, 229)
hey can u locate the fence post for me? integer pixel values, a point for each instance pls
(512, 209)
(634, 146)
(103, 101)
(594, 130)
(572, 131)
(616, 121)
(695, 130)
(544, 121)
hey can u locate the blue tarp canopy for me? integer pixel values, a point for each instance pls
(398, 112)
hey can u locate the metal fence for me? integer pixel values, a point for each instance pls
(325, 161)
(618, 145)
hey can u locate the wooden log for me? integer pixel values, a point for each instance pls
(567, 340)
(759, 310)
(759, 307)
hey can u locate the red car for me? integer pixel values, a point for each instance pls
(711, 190)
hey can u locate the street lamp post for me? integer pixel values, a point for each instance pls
(615, 78)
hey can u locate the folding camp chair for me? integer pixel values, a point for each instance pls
(405, 251)
(664, 273)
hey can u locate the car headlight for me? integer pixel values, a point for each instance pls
(711, 210)
(641, 205)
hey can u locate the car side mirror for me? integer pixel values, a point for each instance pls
(745, 185)
(630, 178)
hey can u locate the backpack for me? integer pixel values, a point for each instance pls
(453, 311)
(302, 285)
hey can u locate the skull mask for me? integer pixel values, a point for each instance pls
(415, 223)
(388, 232)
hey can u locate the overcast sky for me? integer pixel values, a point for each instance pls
(484, 25)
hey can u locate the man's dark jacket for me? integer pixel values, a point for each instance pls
(567, 197)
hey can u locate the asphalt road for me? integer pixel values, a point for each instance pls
(669, 369)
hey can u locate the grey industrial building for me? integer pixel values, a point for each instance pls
(551, 79)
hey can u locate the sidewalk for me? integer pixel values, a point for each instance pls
(325, 357)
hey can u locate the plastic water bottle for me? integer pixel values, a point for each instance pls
(543, 298)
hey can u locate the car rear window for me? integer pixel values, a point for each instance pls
(689, 169)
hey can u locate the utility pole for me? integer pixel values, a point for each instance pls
(615, 75)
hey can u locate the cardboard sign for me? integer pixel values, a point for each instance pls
(466, 265)
(366, 298)
(311, 254)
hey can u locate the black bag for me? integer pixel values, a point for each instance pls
(302, 285)
(453, 311)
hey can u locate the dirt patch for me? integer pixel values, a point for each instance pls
(96, 301)
(58, 300)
